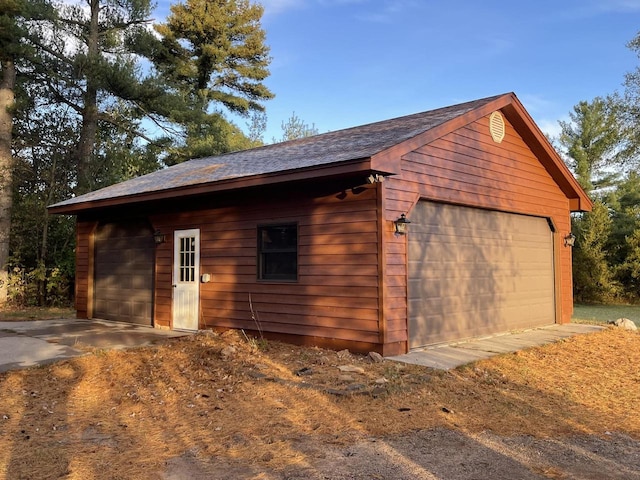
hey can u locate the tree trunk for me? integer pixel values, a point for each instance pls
(7, 97)
(89, 129)
(44, 239)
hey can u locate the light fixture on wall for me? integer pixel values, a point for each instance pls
(375, 178)
(158, 237)
(401, 224)
(570, 240)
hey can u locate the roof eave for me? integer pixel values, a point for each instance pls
(344, 168)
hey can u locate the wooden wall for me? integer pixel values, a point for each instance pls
(467, 167)
(84, 267)
(336, 297)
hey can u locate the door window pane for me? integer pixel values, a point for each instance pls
(187, 259)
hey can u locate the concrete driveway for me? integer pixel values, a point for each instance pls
(452, 355)
(26, 344)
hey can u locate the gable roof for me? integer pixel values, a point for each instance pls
(375, 147)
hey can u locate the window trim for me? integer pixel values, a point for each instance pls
(260, 259)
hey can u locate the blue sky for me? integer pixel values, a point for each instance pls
(342, 63)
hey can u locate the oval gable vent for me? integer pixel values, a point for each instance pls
(496, 126)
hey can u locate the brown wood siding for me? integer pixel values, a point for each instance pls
(336, 295)
(84, 268)
(467, 167)
(163, 278)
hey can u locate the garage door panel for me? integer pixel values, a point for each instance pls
(452, 306)
(511, 294)
(440, 328)
(474, 272)
(478, 281)
(528, 255)
(141, 282)
(468, 272)
(124, 262)
(469, 321)
(457, 243)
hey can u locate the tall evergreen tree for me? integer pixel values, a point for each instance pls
(257, 127)
(15, 51)
(7, 98)
(41, 243)
(624, 205)
(594, 142)
(600, 146)
(214, 53)
(592, 275)
(215, 50)
(92, 65)
(631, 99)
(7, 85)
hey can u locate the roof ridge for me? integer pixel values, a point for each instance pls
(359, 127)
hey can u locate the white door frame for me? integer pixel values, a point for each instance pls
(186, 279)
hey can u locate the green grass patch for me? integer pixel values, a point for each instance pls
(606, 313)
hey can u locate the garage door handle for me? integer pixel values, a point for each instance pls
(174, 286)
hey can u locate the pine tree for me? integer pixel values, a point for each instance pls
(592, 275)
(215, 49)
(594, 142)
(214, 53)
(15, 52)
(295, 128)
(7, 98)
(92, 65)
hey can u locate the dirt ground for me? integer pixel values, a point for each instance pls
(222, 406)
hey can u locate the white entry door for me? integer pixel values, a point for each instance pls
(186, 279)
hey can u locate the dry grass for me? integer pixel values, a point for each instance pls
(21, 314)
(124, 414)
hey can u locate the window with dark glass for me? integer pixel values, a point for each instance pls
(278, 252)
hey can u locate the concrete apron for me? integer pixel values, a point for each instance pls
(27, 344)
(446, 357)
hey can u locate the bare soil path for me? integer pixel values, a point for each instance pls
(218, 406)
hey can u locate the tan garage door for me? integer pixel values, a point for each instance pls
(476, 272)
(124, 264)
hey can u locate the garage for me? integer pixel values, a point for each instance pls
(124, 265)
(427, 228)
(477, 272)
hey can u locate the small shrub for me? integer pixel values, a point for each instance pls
(38, 287)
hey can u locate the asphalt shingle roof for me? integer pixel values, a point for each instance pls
(324, 149)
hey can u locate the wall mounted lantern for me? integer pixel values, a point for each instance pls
(375, 178)
(401, 224)
(158, 237)
(570, 240)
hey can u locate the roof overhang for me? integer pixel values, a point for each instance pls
(342, 169)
